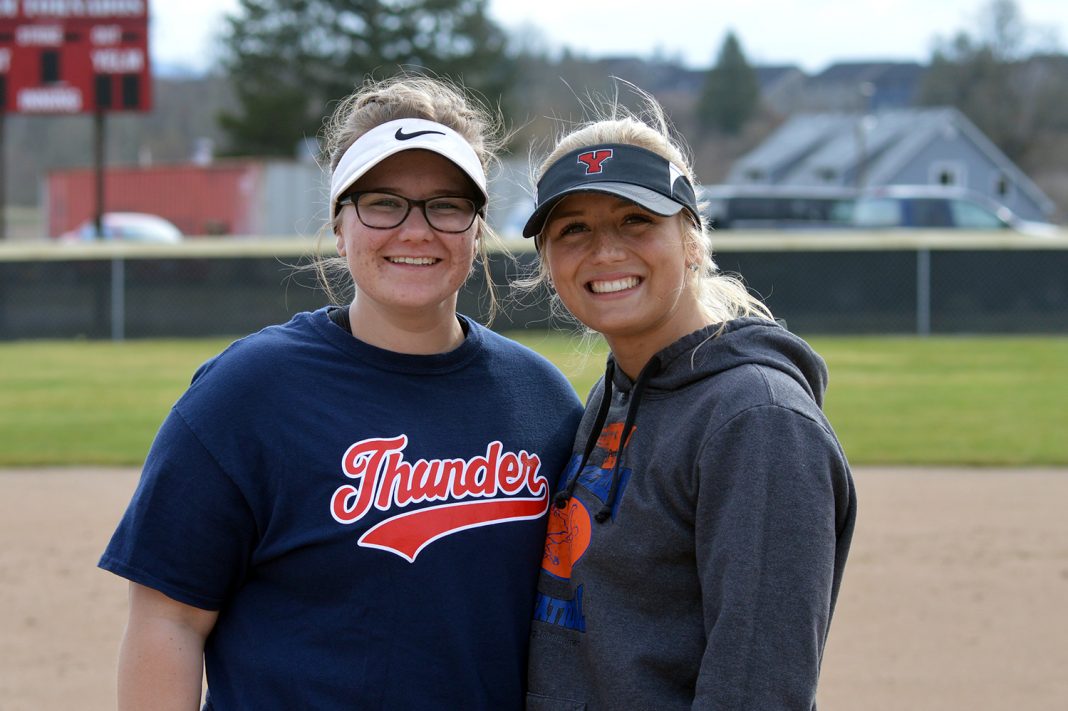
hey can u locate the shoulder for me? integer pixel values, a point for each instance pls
(754, 384)
(760, 399)
(251, 368)
(762, 421)
(261, 350)
(502, 345)
(757, 364)
(518, 359)
(525, 376)
(747, 401)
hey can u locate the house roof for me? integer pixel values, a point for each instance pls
(769, 75)
(856, 72)
(830, 148)
(789, 146)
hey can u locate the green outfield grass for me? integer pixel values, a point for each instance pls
(969, 401)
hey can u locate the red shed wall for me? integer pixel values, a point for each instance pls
(200, 200)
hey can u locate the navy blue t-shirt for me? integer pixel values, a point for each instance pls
(369, 524)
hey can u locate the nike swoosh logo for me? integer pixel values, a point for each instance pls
(400, 135)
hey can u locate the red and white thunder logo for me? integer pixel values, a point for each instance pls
(481, 491)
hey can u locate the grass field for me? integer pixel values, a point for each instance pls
(969, 401)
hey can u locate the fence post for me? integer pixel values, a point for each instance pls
(118, 298)
(923, 292)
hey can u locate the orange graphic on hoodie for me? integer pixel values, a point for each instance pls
(567, 539)
(609, 440)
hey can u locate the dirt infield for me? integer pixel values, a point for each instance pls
(955, 597)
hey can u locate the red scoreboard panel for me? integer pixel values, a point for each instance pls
(74, 56)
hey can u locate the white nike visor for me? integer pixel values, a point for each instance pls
(407, 134)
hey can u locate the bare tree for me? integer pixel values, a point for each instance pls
(997, 79)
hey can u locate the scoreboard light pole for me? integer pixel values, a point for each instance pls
(66, 57)
(3, 177)
(99, 157)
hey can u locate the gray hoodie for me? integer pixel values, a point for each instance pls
(695, 563)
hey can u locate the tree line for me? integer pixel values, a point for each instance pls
(284, 63)
(287, 60)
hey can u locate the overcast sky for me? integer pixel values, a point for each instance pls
(809, 33)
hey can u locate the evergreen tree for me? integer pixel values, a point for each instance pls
(731, 95)
(289, 59)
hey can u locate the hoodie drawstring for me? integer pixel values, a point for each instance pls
(651, 368)
(562, 496)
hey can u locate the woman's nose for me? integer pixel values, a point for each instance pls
(606, 245)
(415, 225)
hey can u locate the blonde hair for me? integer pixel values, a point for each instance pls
(408, 96)
(721, 297)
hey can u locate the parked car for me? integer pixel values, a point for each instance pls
(776, 206)
(938, 207)
(127, 227)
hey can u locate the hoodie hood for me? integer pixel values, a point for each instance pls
(745, 341)
(701, 355)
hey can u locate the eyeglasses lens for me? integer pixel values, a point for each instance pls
(386, 211)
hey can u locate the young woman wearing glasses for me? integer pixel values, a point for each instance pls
(347, 510)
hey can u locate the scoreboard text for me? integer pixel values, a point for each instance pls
(74, 56)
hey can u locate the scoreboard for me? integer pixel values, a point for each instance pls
(74, 56)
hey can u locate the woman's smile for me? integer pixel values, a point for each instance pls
(613, 286)
(414, 261)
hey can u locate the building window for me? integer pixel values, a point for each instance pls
(948, 173)
(1002, 188)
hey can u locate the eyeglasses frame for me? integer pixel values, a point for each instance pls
(352, 197)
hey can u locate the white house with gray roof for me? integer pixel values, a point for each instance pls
(937, 146)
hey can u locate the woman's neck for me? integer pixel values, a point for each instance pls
(633, 350)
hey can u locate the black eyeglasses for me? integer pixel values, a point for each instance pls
(384, 211)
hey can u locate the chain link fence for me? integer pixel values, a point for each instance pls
(843, 283)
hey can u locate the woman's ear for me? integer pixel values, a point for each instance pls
(340, 245)
(693, 253)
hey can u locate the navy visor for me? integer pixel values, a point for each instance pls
(632, 173)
